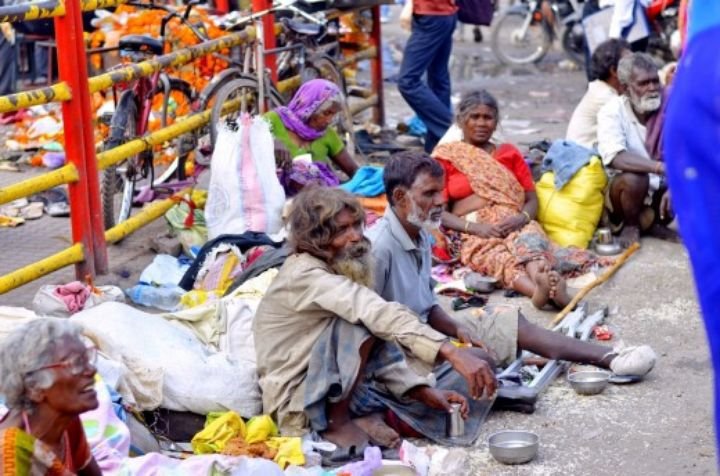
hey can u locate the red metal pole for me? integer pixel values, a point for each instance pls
(376, 67)
(268, 23)
(222, 6)
(85, 207)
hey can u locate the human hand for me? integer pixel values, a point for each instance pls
(666, 205)
(439, 399)
(484, 230)
(513, 223)
(283, 159)
(465, 336)
(476, 371)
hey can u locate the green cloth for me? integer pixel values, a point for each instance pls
(322, 149)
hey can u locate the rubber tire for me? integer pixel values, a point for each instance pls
(538, 55)
(177, 166)
(123, 126)
(578, 57)
(227, 91)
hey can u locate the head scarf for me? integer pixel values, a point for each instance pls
(306, 101)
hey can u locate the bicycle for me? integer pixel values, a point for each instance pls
(136, 177)
(302, 52)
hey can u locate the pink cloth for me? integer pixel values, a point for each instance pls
(73, 294)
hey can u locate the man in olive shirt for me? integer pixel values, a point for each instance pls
(320, 337)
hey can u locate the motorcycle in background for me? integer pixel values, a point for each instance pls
(524, 32)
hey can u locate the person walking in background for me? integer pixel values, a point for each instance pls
(8, 58)
(427, 52)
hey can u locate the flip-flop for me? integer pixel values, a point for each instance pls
(58, 209)
(464, 303)
(342, 456)
(624, 379)
(32, 211)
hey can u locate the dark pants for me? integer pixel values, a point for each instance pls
(427, 52)
(8, 67)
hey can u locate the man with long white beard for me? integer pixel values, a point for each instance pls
(629, 137)
(330, 350)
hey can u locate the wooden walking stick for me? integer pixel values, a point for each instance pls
(605, 276)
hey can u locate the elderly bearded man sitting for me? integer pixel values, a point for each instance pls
(629, 133)
(330, 350)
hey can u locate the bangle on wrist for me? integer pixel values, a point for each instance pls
(527, 215)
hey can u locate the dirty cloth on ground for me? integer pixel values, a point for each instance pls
(243, 242)
(272, 258)
(333, 368)
(564, 159)
(367, 182)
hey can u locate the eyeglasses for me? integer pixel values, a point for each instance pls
(75, 365)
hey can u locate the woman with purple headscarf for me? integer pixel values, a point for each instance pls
(304, 126)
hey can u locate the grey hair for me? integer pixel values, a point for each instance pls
(474, 99)
(27, 348)
(628, 63)
(328, 103)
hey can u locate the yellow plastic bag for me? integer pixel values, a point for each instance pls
(217, 432)
(260, 428)
(289, 451)
(571, 214)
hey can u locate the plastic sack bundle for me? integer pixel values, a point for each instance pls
(187, 220)
(244, 193)
(167, 365)
(571, 214)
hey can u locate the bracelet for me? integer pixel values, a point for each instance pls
(467, 225)
(527, 215)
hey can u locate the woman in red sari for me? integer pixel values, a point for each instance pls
(492, 206)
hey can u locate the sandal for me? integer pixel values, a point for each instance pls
(342, 456)
(461, 303)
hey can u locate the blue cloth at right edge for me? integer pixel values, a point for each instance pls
(564, 158)
(692, 157)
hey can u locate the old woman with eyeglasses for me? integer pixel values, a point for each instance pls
(47, 374)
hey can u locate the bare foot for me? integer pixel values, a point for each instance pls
(664, 233)
(628, 236)
(379, 432)
(558, 290)
(542, 289)
(346, 435)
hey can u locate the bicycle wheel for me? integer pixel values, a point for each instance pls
(246, 91)
(169, 159)
(118, 177)
(514, 42)
(325, 67)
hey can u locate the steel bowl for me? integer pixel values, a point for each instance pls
(589, 382)
(480, 283)
(514, 446)
(393, 469)
(608, 249)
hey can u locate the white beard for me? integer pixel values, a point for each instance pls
(426, 223)
(647, 103)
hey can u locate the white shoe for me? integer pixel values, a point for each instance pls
(636, 361)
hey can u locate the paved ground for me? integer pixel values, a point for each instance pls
(662, 426)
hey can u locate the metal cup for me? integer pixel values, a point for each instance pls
(455, 423)
(604, 236)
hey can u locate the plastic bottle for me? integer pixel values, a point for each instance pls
(166, 298)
